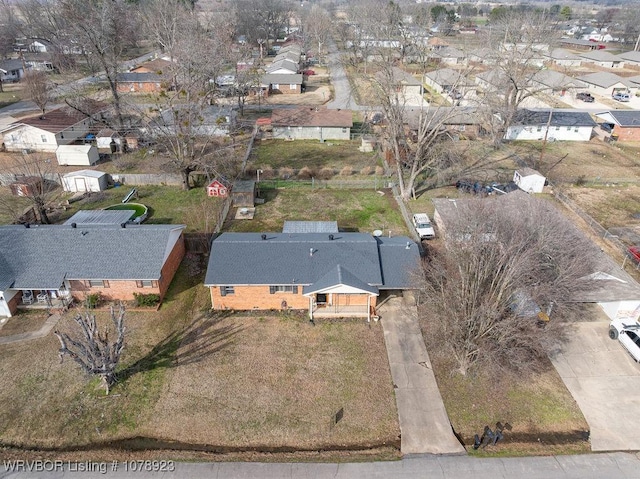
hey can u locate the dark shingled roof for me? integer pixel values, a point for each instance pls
(558, 118)
(311, 117)
(307, 258)
(338, 276)
(626, 118)
(42, 256)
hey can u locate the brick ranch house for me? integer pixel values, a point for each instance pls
(326, 274)
(48, 263)
(626, 123)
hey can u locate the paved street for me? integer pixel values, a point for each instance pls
(341, 87)
(593, 466)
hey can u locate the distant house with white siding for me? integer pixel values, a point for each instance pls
(606, 83)
(564, 58)
(563, 125)
(61, 126)
(602, 59)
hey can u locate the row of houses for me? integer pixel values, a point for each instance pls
(309, 266)
(540, 81)
(306, 267)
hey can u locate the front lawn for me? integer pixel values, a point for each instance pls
(354, 210)
(206, 381)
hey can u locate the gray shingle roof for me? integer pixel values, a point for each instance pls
(600, 56)
(282, 79)
(554, 79)
(10, 65)
(338, 276)
(604, 79)
(447, 76)
(630, 56)
(310, 227)
(558, 118)
(143, 77)
(283, 63)
(42, 256)
(626, 118)
(562, 54)
(305, 258)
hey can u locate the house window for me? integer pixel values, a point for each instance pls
(98, 283)
(568, 128)
(225, 290)
(275, 86)
(576, 129)
(344, 130)
(146, 283)
(539, 128)
(557, 128)
(293, 86)
(283, 289)
(43, 138)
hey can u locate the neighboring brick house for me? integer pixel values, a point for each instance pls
(311, 123)
(50, 262)
(285, 83)
(61, 126)
(142, 82)
(626, 123)
(325, 274)
(159, 66)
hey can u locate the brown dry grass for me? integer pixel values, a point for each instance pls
(278, 382)
(24, 322)
(204, 379)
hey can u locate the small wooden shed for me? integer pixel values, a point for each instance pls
(529, 180)
(85, 180)
(26, 186)
(243, 193)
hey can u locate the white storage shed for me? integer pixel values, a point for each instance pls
(77, 155)
(85, 180)
(529, 180)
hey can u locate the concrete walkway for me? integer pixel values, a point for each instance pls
(424, 424)
(42, 332)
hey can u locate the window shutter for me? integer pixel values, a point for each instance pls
(105, 283)
(272, 290)
(295, 290)
(223, 291)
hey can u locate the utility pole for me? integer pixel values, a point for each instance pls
(635, 48)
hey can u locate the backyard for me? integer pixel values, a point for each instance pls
(354, 210)
(271, 156)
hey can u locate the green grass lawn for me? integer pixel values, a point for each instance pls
(166, 204)
(11, 206)
(354, 210)
(312, 154)
(11, 94)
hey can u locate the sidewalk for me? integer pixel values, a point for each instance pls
(424, 424)
(42, 332)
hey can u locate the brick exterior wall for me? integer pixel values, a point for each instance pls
(627, 134)
(259, 297)
(285, 89)
(13, 303)
(171, 265)
(123, 290)
(140, 87)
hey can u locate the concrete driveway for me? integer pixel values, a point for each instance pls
(605, 382)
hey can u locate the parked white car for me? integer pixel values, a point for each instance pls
(628, 333)
(423, 226)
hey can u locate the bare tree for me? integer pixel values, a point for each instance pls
(516, 38)
(185, 123)
(105, 30)
(318, 27)
(38, 88)
(9, 27)
(262, 19)
(509, 264)
(36, 172)
(165, 21)
(96, 352)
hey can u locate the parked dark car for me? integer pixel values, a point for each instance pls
(585, 97)
(608, 127)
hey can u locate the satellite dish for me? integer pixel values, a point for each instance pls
(377, 233)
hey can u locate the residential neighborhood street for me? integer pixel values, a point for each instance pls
(593, 466)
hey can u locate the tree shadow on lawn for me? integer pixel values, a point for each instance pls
(189, 345)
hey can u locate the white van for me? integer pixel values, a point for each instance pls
(423, 226)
